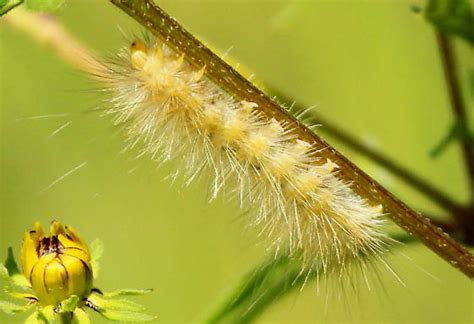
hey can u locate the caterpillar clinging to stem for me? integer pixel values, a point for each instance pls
(177, 112)
(182, 101)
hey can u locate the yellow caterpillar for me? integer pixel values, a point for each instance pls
(177, 113)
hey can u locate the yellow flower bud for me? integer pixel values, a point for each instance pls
(57, 266)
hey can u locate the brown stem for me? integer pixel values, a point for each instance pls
(454, 89)
(402, 173)
(180, 40)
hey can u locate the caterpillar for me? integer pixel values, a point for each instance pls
(174, 112)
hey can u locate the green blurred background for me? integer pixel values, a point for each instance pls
(370, 67)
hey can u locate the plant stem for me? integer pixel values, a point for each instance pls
(402, 173)
(457, 103)
(9, 6)
(197, 54)
(464, 217)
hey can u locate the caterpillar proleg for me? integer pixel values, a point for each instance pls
(177, 113)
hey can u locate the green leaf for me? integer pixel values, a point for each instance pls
(20, 281)
(70, 304)
(12, 309)
(96, 250)
(264, 285)
(34, 318)
(16, 276)
(10, 263)
(127, 316)
(4, 276)
(46, 314)
(80, 317)
(21, 295)
(7, 5)
(3, 272)
(452, 17)
(44, 5)
(272, 279)
(103, 303)
(120, 309)
(128, 292)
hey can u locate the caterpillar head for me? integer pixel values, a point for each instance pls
(158, 68)
(138, 54)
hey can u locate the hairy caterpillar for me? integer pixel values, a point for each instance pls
(177, 113)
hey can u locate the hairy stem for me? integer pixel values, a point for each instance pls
(180, 40)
